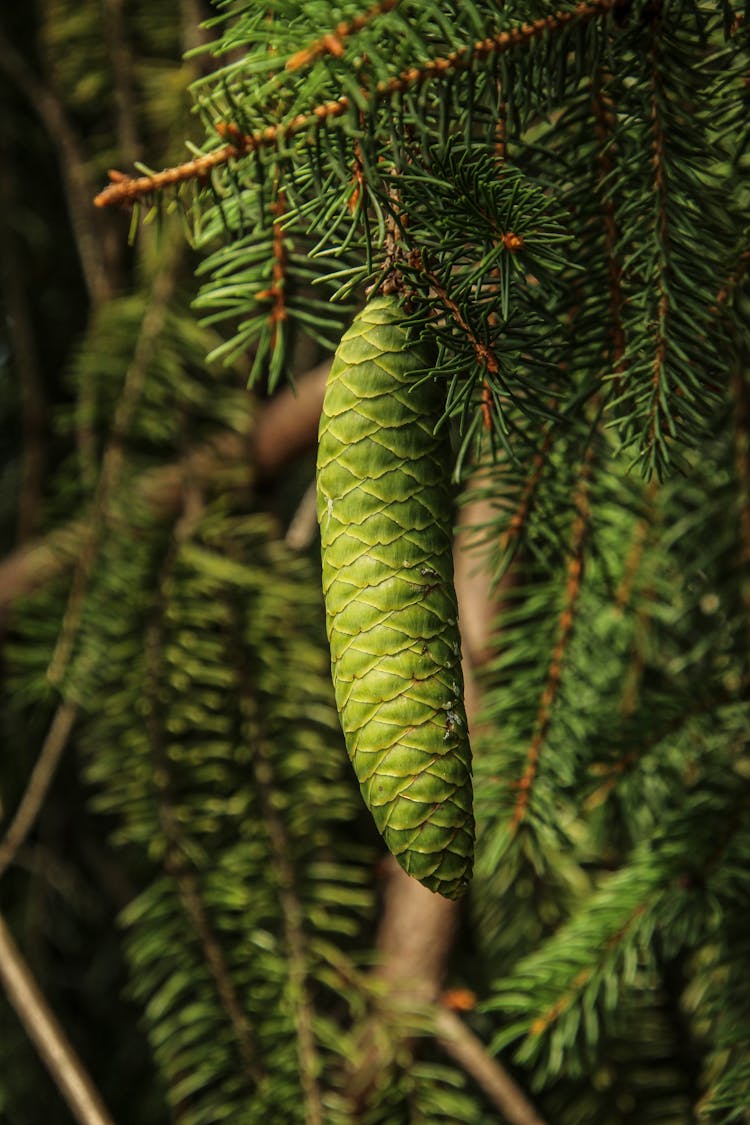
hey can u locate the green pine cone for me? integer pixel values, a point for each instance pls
(385, 513)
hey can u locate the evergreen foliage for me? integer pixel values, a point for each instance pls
(557, 196)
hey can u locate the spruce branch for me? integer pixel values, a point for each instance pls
(659, 417)
(176, 858)
(611, 773)
(485, 355)
(615, 941)
(113, 459)
(127, 189)
(740, 268)
(515, 528)
(604, 122)
(333, 42)
(286, 885)
(635, 551)
(578, 537)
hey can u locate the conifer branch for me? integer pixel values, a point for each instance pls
(741, 267)
(282, 865)
(276, 292)
(579, 534)
(176, 867)
(113, 459)
(485, 355)
(612, 772)
(333, 42)
(514, 530)
(126, 189)
(661, 189)
(634, 553)
(603, 127)
(543, 1022)
(176, 863)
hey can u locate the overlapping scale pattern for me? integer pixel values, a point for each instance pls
(385, 513)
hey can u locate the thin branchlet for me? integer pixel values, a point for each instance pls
(127, 189)
(579, 534)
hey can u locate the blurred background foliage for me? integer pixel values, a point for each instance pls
(199, 899)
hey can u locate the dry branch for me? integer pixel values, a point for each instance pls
(51, 1042)
(285, 428)
(38, 786)
(469, 1052)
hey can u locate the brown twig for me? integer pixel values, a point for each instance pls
(286, 427)
(67, 1071)
(518, 520)
(603, 128)
(115, 29)
(51, 112)
(485, 355)
(468, 1050)
(126, 189)
(636, 548)
(333, 42)
(579, 534)
(662, 239)
(276, 291)
(39, 783)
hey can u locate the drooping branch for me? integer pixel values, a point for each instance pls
(282, 864)
(176, 861)
(579, 534)
(544, 1021)
(603, 128)
(661, 192)
(113, 459)
(127, 189)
